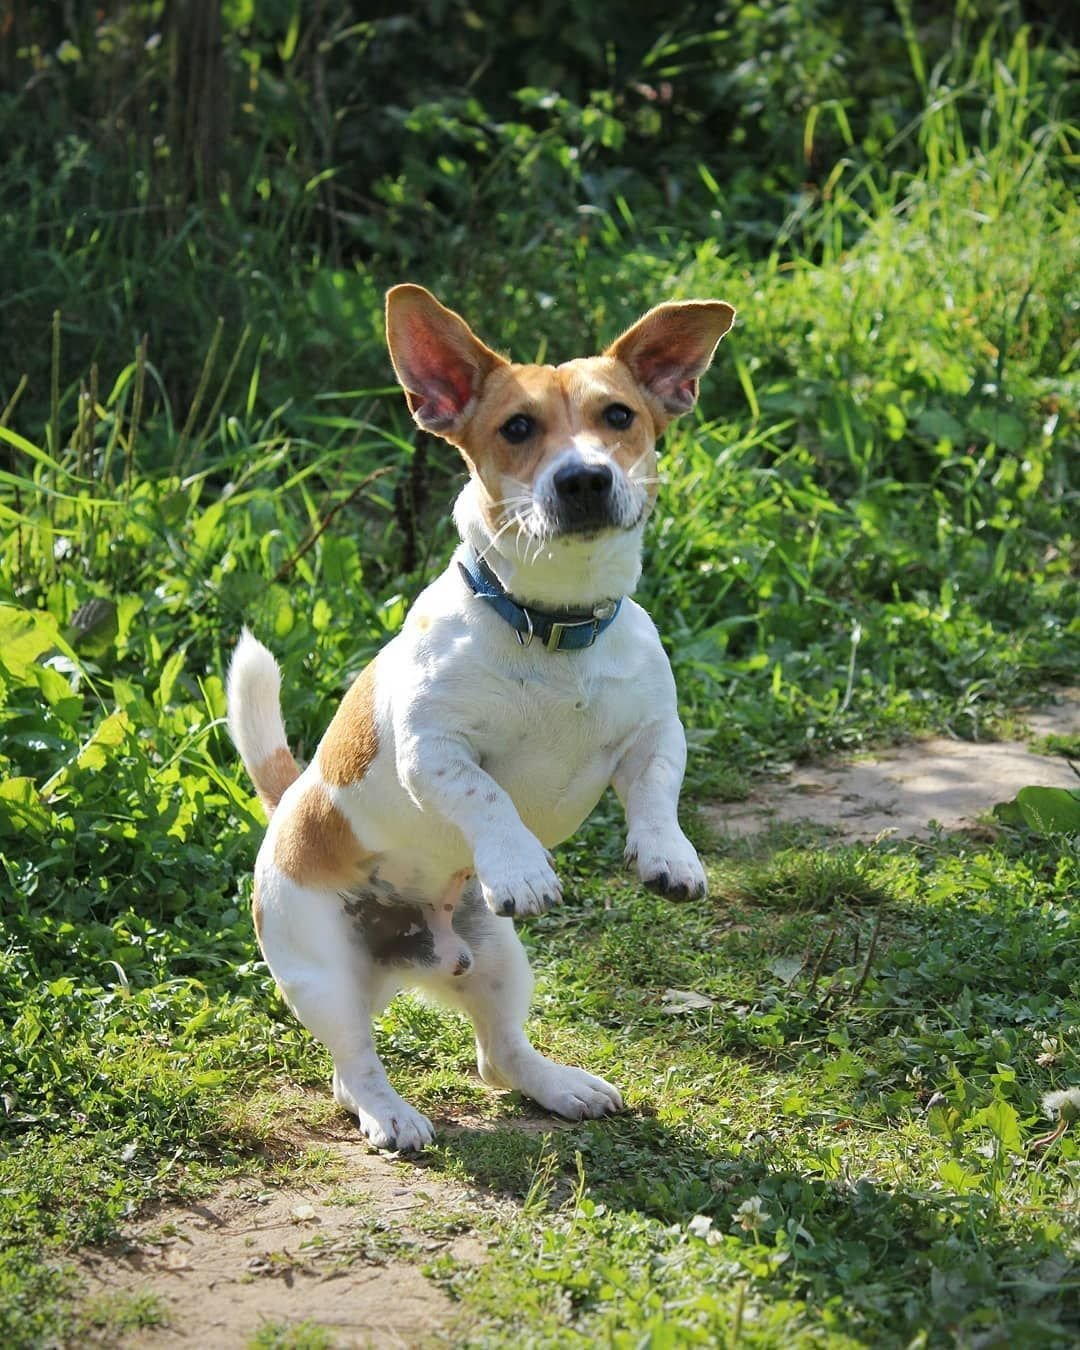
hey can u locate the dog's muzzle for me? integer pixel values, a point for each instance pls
(584, 496)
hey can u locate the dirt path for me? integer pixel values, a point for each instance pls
(905, 792)
(344, 1254)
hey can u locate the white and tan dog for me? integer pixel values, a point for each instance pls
(523, 682)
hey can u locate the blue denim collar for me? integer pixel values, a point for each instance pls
(560, 630)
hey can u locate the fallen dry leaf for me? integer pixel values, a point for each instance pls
(684, 1000)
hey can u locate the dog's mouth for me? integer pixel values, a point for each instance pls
(581, 502)
(539, 528)
(586, 530)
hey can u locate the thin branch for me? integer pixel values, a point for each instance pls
(287, 566)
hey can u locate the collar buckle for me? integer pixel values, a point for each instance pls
(553, 641)
(554, 637)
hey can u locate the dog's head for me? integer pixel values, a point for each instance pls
(559, 456)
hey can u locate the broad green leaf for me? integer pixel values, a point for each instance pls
(1003, 1122)
(169, 675)
(58, 694)
(94, 755)
(113, 731)
(938, 425)
(284, 618)
(24, 635)
(21, 807)
(1003, 428)
(1045, 810)
(213, 692)
(954, 1176)
(127, 607)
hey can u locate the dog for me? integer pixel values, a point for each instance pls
(524, 681)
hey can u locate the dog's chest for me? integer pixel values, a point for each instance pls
(551, 743)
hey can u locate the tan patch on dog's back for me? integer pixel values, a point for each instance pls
(352, 739)
(315, 844)
(256, 910)
(273, 775)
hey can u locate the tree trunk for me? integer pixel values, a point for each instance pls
(198, 99)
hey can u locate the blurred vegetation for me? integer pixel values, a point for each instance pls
(279, 163)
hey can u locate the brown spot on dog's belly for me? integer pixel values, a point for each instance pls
(315, 844)
(273, 775)
(352, 739)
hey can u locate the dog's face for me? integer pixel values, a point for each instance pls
(557, 452)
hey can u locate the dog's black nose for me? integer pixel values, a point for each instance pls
(584, 493)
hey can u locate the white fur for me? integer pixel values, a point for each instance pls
(570, 573)
(253, 698)
(490, 753)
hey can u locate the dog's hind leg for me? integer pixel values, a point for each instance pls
(496, 994)
(329, 980)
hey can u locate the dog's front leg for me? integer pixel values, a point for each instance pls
(441, 773)
(647, 780)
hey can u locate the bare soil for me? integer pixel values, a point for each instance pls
(910, 791)
(344, 1254)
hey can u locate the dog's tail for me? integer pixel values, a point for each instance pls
(253, 695)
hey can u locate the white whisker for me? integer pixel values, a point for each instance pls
(633, 467)
(522, 536)
(494, 539)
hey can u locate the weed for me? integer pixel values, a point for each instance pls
(292, 1336)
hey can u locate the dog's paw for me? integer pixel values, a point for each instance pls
(398, 1129)
(669, 867)
(517, 882)
(387, 1120)
(570, 1093)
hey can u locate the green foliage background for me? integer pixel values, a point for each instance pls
(868, 531)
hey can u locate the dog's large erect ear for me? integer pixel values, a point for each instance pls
(440, 362)
(671, 347)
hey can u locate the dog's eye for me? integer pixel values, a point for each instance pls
(618, 415)
(517, 428)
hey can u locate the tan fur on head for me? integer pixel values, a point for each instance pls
(458, 388)
(564, 401)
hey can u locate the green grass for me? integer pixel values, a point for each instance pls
(868, 532)
(299, 1336)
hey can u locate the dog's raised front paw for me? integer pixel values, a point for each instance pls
(518, 882)
(569, 1092)
(668, 867)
